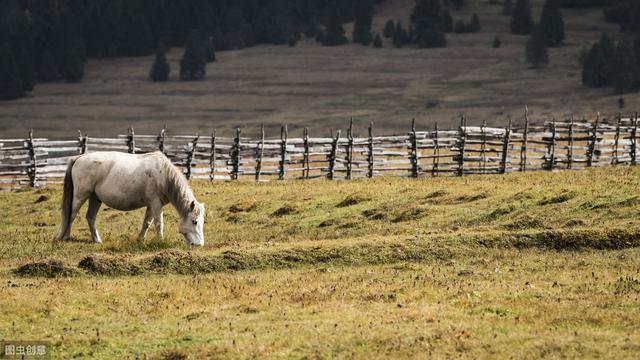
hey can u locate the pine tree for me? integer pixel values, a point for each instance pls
(389, 29)
(460, 27)
(362, 26)
(593, 67)
(194, 60)
(507, 8)
(334, 34)
(377, 42)
(457, 3)
(474, 26)
(209, 48)
(135, 32)
(47, 71)
(320, 35)
(625, 73)
(399, 35)
(160, 69)
(68, 47)
(497, 42)
(552, 23)
(427, 17)
(22, 46)
(537, 53)
(447, 21)
(11, 86)
(521, 20)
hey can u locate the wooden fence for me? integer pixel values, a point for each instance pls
(479, 149)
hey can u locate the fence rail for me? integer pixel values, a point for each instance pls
(466, 150)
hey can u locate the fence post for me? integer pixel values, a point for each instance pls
(570, 145)
(414, 149)
(552, 146)
(212, 158)
(161, 138)
(284, 133)
(332, 156)
(190, 153)
(463, 135)
(483, 145)
(505, 148)
(614, 161)
(131, 141)
(350, 150)
(260, 154)
(370, 155)
(525, 139)
(634, 140)
(593, 141)
(235, 156)
(32, 168)
(306, 168)
(82, 143)
(436, 153)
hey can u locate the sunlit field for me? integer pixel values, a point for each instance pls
(522, 265)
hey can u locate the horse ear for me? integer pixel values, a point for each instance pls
(193, 205)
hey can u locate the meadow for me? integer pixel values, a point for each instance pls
(322, 87)
(520, 265)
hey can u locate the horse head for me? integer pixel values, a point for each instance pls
(192, 223)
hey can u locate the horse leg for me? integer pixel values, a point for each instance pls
(156, 210)
(78, 201)
(92, 212)
(145, 224)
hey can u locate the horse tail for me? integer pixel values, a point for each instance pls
(67, 200)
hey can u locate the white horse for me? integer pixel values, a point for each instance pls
(127, 182)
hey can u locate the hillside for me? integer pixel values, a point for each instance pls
(321, 87)
(526, 265)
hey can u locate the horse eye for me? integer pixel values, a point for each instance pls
(195, 222)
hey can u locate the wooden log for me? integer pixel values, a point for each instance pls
(131, 142)
(82, 143)
(413, 151)
(305, 160)
(552, 147)
(462, 139)
(616, 141)
(260, 154)
(32, 169)
(593, 141)
(190, 152)
(436, 152)
(235, 156)
(634, 140)
(570, 144)
(505, 149)
(483, 144)
(525, 139)
(283, 152)
(332, 156)
(161, 138)
(370, 156)
(350, 150)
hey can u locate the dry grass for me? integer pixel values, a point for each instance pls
(524, 265)
(322, 87)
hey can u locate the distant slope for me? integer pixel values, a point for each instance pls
(321, 87)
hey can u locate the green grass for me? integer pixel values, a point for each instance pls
(523, 265)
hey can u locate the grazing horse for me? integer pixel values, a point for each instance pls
(127, 182)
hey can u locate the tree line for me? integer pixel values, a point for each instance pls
(616, 64)
(44, 41)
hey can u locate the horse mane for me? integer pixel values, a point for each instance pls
(177, 188)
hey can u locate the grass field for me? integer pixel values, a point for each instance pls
(516, 266)
(321, 87)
